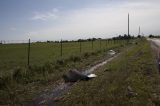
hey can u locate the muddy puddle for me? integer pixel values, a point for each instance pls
(52, 97)
(93, 68)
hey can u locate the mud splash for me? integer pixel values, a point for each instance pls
(52, 97)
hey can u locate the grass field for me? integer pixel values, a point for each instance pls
(132, 79)
(47, 66)
(15, 55)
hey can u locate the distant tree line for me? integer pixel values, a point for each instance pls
(120, 37)
(1, 42)
(89, 39)
(154, 36)
(123, 37)
(65, 41)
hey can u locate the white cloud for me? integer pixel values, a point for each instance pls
(44, 16)
(104, 21)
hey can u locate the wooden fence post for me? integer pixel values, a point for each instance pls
(106, 43)
(29, 53)
(92, 44)
(80, 48)
(61, 47)
(100, 43)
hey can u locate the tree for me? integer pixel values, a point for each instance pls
(151, 36)
(139, 36)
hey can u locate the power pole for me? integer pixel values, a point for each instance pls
(128, 24)
(139, 32)
(128, 30)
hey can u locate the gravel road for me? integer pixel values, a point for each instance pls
(155, 44)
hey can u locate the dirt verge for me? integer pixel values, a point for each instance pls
(155, 44)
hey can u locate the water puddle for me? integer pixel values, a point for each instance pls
(52, 97)
(93, 68)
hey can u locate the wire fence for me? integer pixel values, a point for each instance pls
(15, 53)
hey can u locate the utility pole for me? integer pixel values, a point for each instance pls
(128, 24)
(128, 29)
(139, 32)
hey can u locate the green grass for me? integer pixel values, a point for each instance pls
(132, 79)
(15, 55)
(22, 84)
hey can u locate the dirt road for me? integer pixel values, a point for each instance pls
(155, 44)
(157, 41)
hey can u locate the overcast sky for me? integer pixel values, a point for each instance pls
(74, 19)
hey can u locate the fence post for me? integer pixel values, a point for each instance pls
(92, 44)
(100, 43)
(106, 43)
(61, 47)
(80, 48)
(29, 53)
